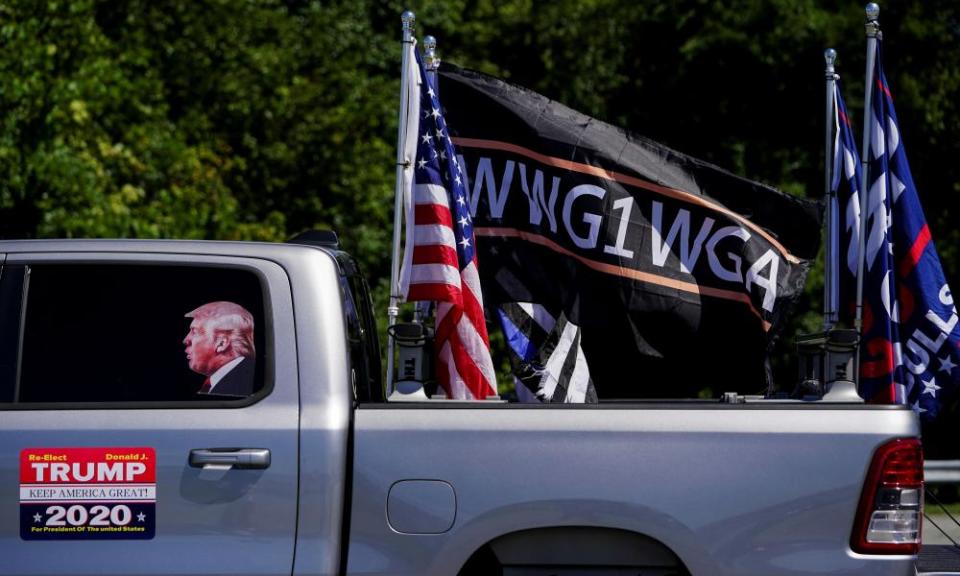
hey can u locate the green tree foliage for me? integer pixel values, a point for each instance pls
(88, 148)
(258, 119)
(210, 119)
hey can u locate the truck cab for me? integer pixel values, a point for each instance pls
(93, 369)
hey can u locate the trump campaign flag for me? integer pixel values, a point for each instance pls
(910, 334)
(880, 334)
(440, 262)
(669, 274)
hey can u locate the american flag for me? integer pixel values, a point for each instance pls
(910, 349)
(442, 264)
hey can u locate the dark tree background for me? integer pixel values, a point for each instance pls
(249, 119)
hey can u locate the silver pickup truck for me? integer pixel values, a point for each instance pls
(187, 407)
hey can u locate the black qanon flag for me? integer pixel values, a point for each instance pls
(678, 273)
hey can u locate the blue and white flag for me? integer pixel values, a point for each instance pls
(844, 212)
(910, 343)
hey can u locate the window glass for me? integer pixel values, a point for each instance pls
(368, 339)
(140, 333)
(361, 340)
(11, 296)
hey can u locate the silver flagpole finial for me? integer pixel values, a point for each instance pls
(430, 58)
(409, 20)
(830, 56)
(431, 62)
(873, 15)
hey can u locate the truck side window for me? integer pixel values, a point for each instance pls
(362, 340)
(11, 298)
(138, 333)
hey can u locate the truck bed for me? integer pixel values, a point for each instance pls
(727, 489)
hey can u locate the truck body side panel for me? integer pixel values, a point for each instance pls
(731, 490)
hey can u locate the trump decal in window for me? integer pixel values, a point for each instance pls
(140, 333)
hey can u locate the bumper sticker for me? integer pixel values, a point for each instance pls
(87, 493)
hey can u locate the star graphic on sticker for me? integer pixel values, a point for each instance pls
(465, 243)
(141, 517)
(946, 365)
(37, 518)
(930, 387)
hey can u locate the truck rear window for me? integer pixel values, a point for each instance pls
(130, 333)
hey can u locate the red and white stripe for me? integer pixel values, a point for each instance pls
(464, 367)
(434, 271)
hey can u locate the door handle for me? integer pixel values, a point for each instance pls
(226, 458)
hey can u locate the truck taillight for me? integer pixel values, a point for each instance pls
(890, 514)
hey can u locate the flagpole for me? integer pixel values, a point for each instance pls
(431, 62)
(408, 20)
(873, 31)
(830, 264)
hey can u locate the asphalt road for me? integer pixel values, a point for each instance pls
(933, 536)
